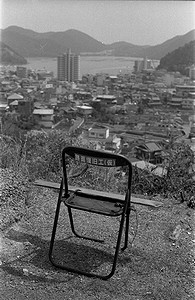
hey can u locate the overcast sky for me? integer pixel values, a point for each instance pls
(137, 22)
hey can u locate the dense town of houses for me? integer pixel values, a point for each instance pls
(134, 114)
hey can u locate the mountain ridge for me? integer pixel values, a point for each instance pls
(30, 43)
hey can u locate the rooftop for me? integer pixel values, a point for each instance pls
(98, 126)
(15, 97)
(108, 97)
(85, 107)
(153, 146)
(43, 111)
(15, 102)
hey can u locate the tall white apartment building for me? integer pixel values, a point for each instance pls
(140, 65)
(68, 67)
(192, 72)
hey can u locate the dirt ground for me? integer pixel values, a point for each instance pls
(158, 265)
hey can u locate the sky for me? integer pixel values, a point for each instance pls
(108, 21)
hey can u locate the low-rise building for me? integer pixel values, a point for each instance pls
(188, 103)
(175, 102)
(150, 152)
(14, 97)
(23, 107)
(13, 106)
(184, 90)
(3, 108)
(154, 101)
(85, 110)
(44, 117)
(98, 131)
(106, 99)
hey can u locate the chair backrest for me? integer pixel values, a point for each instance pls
(96, 158)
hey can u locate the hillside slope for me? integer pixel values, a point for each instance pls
(180, 59)
(9, 56)
(170, 45)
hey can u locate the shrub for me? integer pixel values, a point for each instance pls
(38, 156)
(178, 180)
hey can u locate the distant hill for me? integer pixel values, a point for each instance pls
(9, 56)
(50, 44)
(170, 45)
(128, 49)
(180, 59)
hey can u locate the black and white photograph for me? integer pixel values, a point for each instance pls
(97, 150)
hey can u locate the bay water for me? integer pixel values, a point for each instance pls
(111, 65)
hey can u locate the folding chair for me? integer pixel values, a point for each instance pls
(94, 202)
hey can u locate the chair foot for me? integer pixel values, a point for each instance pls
(75, 271)
(123, 248)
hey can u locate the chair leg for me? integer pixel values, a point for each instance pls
(78, 235)
(126, 230)
(55, 224)
(117, 246)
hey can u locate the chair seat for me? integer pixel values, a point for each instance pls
(105, 206)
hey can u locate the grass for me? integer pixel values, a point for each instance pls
(154, 267)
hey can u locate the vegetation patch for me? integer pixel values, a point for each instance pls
(158, 263)
(37, 155)
(180, 59)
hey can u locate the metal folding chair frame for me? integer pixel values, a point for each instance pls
(102, 157)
